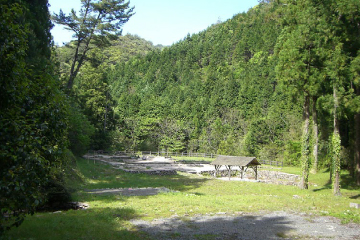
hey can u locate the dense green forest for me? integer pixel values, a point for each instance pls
(212, 92)
(239, 87)
(279, 82)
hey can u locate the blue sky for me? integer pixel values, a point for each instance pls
(164, 21)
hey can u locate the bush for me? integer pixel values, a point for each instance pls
(269, 152)
(292, 153)
(80, 131)
(56, 195)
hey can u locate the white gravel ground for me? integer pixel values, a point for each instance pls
(275, 225)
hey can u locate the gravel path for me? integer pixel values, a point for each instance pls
(276, 225)
(130, 191)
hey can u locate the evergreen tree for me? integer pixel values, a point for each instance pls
(355, 68)
(97, 21)
(300, 63)
(341, 47)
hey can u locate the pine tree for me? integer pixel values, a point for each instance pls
(97, 22)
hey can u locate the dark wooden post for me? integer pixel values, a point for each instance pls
(229, 171)
(216, 170)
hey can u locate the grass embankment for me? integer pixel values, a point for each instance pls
(108, 216)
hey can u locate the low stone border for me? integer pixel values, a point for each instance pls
(263, 176)
(155, 172)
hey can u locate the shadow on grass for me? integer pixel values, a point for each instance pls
(129, 180)
(327, 186)
(218, 227)
(97, 223)
(355, 196)
(346, 181)
(111, 223)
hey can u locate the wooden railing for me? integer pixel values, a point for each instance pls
(272, 163)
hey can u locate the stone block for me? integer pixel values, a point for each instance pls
(355, 205)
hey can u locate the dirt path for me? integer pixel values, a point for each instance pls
(275, 225)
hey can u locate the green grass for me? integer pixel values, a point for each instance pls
(109, 215)
(320, 180)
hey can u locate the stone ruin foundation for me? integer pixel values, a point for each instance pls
(167, 166)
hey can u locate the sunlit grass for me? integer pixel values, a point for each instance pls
(109, 215)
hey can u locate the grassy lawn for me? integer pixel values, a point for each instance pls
(108, 216)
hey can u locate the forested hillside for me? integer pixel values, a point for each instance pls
(278, 82)
(215, 91)
(230, 89)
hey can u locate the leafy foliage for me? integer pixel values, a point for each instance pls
(80, 131)
(32, 110)
(92, 97)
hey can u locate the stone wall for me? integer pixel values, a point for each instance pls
(263, 176)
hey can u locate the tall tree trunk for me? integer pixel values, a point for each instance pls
(315, 136)
(357, 144)
(106, 110)
(79, 60)
(336, 145)
(70, 82)
(305, 145)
